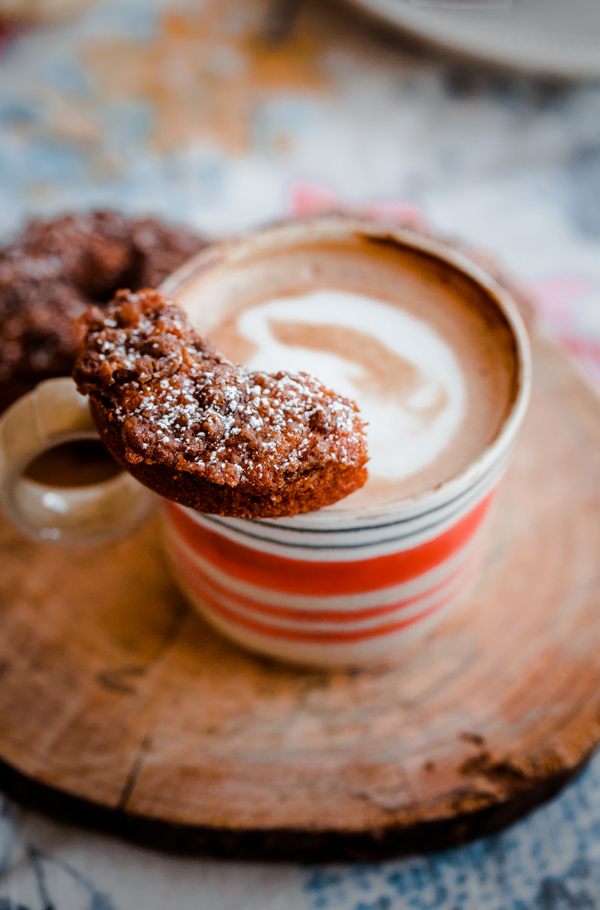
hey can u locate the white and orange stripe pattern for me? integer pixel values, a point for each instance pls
(316, 590)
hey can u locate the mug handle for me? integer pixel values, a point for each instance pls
(52, 414)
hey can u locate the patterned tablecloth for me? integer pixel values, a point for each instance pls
(228, 113)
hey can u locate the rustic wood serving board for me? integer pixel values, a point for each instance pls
(120, 707)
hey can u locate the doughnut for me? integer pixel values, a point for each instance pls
(206, 433)
(55, 269)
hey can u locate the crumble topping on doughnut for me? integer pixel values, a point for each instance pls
(54, 270)
(208, 433)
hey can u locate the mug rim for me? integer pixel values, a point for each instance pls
(337, 226)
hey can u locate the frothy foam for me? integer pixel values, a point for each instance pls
(345, 338)
(422, 348)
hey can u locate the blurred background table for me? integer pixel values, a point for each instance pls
(228, 113)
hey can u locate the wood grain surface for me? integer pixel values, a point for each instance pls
(120, 707)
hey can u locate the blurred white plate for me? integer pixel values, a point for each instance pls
(555, 37)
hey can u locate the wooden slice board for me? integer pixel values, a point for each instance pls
(119, 706)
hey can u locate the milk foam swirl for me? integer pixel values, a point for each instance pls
(406, 379)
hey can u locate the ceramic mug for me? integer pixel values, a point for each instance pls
(329, 588)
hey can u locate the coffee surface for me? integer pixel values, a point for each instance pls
(78, 463)
(422, 349)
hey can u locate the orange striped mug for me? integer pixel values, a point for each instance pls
(354, 583)
(357, 582)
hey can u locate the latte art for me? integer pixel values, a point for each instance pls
(420, 347)
(405, 378)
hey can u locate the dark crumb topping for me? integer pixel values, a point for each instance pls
(178, 402)
(55, 269)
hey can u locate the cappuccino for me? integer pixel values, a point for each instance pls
(416, 342)
(437, 357)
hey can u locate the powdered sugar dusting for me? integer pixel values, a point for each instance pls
(178, 402)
